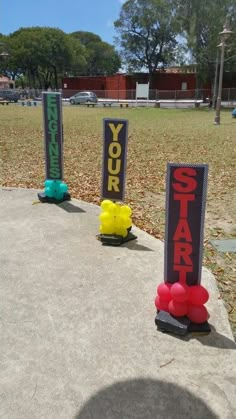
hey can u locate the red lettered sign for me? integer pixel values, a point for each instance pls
(185, 213)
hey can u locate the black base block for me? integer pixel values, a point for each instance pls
(114, 240)
(199, 329)
(179, 325)
(45, 199)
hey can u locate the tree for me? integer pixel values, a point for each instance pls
(101, 57)
(201, 23)
(147, 34)
(42, 55)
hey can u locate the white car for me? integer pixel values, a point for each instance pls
(83, 97)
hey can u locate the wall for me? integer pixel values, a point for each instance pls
(116, 86)
(74, 84)
(122, 86)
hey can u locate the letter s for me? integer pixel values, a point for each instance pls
(182, 175)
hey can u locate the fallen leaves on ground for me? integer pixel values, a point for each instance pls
(155, 137)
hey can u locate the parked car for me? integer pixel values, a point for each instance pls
(83, 97)
(9, 95)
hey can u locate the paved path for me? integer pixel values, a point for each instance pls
(77, 337)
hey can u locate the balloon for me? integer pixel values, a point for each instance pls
(58, 195)
(197, 314)
(161, 304)
(179, 292)
(48, 183)
(126, 211)
(198, 294)
(124, 221)
(108, 228)
(121, 231)
(163, 290)
(177, 309)
(63, 187)
(49, 192)
(118, 222)
(118, 207)
(105, 204)
(114, 218)
(113, 209)
(105, 217)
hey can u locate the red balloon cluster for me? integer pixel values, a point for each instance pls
(183, 300)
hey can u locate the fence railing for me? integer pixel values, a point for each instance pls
(228, 94)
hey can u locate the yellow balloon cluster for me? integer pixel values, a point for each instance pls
(115, 218)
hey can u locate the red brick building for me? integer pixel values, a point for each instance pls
(123, 86)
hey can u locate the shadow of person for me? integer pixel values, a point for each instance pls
(145, 399)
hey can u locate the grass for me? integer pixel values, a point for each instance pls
(155, 137)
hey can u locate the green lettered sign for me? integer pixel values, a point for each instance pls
(52, 115)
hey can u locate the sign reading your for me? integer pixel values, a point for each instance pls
(114, 159)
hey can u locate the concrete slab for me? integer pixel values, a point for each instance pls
(77, 334)
(227, 245)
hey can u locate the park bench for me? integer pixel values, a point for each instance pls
(4, 102)
(28, 103)
(90, 104)
(125, 105)
(196, 103)
(106, 104)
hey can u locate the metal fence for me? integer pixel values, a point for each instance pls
(228, 95)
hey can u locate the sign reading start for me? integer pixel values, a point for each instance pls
(53, 135)
(114, 159)
(185, 211)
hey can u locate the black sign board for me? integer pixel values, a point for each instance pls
(185, 212)
(114, 158)
(52, 115)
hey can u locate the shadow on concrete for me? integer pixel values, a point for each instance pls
(133, 245)
(145, 399)
(214, 339)
(69, 207)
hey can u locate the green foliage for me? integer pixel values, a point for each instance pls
(101, 57)
(147, 30)
(201, 22)
(41, 56)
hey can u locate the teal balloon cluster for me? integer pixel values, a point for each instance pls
(55, 189)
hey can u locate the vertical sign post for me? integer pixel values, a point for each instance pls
(115, 134)
(115, 219)
(52, 117)
(181, 296)
(56, 190)
(185, 213)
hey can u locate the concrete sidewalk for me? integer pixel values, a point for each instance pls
(78, 338)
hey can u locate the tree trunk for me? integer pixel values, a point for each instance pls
(151, 80)
(56, 78)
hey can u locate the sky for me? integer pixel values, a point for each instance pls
(95, 16)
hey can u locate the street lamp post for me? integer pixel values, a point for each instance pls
(216, 77)
(224, 35)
